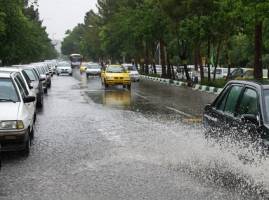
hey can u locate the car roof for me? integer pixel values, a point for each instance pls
(114, 66)
(5, 74)
(10, 69)
(255, 83)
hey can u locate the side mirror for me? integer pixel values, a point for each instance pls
(42, 77)
(208, 107)
(251, 118)
(31, 85)
(29, 99)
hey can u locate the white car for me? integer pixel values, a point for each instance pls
(93, 69)
(25, 79)
(134, 75)
(17, 113)
(32, 76)
(64, 68)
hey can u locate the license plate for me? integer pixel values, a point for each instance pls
(10, 137)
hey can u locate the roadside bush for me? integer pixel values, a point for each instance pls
(155, 75)
(218, 83)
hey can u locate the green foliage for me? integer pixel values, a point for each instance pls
(220, 30)
(218, 83)
(22, 37)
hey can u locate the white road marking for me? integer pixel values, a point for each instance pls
(178, 111)
(139, 95)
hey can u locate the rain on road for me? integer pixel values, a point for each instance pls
(113, 144)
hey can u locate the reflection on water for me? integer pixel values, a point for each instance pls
(117, 98)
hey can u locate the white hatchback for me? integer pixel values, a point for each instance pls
(132, 71)
(17, 113)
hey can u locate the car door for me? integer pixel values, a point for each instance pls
(248, 115)
(31, 106)
(27, 110)
(220, 118)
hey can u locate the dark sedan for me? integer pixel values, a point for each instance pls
(241, 111)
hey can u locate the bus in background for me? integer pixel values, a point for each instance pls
(76, 60)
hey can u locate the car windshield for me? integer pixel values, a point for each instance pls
(249, 73)
(130, 68)
(93, 66)
(41, 70)
(63, 64)
(30, 73)
(7, 91)
(115, 69)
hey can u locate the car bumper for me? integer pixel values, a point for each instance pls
(135, 78)
(13, 140)
(93, 73)
(64, 72)
(118, 82)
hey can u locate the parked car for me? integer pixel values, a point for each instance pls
(93, 69)
(23, 77)
(132, 71)
(115, 75)
(48, 74)
(220, 72)
(17, 113)
(35, 81)
(64, 68)
(241, 73)
(42, 76)
(241, 111)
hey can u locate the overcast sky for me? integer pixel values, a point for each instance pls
(60, 15)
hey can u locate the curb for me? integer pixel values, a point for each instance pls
(197, 87)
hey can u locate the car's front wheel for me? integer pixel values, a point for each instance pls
(106, 85)
(26, 150)
(129, 87)
(40, 102)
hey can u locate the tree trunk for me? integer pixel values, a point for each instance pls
(162, 58)
(142, 67)
(217, 60)
(200, 64)
(196, 57)
(258, 51)
(208, 60)
(147, 60)
(169, 73)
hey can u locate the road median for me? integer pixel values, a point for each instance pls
(197, 87)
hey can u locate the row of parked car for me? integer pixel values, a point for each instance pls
(22, 88)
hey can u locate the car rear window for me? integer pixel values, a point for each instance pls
(8, 90)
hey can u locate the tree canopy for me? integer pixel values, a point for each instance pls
(23, 39)
(229, 33)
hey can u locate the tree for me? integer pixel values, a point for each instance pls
(257, 14)
(22, 37)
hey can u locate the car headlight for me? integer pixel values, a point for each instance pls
(5, 125)
(110, 78)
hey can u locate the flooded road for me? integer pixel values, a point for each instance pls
(113, 144)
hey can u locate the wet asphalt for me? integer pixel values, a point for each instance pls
(115, 144)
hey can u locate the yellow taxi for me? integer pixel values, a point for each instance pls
(115, 75)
